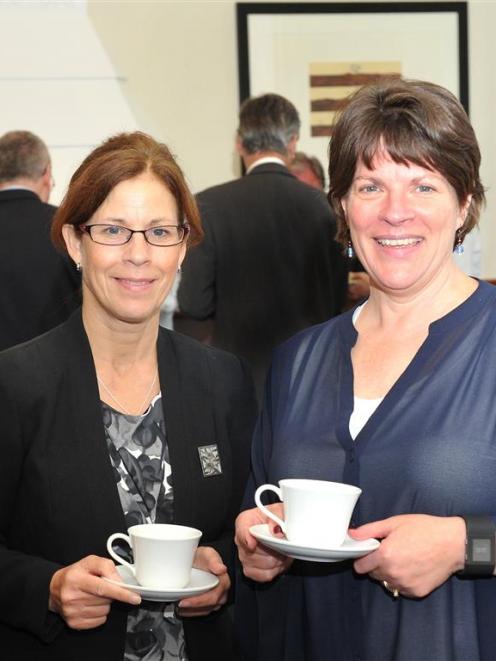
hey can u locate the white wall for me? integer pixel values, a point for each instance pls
(174, 65)
(180, 61)
(57, 80)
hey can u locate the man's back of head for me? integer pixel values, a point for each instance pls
(268, 124)
(25, 163)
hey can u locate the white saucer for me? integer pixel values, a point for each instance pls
(350, 548)
(201, 581)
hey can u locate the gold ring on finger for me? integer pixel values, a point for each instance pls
(394, 591)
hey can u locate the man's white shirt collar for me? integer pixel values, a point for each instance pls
(263, 161)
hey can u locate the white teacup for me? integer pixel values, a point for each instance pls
(163, 553)
(316, 512)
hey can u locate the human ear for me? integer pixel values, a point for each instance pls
(72, 240)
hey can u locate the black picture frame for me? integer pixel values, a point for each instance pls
(246, 10)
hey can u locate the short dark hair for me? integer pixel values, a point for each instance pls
(22, 155)
(268, 123)
(417, 122)
(121, 157)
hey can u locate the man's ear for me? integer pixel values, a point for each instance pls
(239, 146)
(44, 184)
(292, 144)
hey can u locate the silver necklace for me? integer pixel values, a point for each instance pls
(121, 407)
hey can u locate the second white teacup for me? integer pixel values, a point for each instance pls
(316, 512)
(163, 553)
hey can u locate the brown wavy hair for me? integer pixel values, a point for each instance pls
(119, 158)
(416, 122)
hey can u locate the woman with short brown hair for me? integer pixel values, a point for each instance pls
(396, 397)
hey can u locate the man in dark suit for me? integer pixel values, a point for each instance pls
(38, 287)
(268, 265)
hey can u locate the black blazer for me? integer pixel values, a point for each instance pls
(58, 499)
(39, 288)
(268, 265)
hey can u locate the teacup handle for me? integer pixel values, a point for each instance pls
(261, 506)
(113, 554)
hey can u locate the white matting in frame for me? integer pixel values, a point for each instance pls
(281, 48)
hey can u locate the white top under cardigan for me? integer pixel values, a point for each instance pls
(362, 408)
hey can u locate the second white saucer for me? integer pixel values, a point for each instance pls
(350, 548)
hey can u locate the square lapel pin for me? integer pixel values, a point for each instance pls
(210, 460)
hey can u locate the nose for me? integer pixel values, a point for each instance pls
(137, 249)
(397, 207)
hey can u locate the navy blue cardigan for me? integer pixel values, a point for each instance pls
(430, 447)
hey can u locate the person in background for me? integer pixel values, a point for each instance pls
(308, 169)
(396, 397)
(169, 305)
(268, 265)
(110, 421)
(39, 288)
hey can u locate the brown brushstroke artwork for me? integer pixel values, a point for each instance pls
(332, 83)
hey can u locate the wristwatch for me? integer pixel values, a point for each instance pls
(480, 549)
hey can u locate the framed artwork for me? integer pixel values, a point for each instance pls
(317, 54)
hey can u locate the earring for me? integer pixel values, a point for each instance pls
(78, 266)
(350, 253)
(459, 249)
(179, 269)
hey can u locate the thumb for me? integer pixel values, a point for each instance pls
(98, 566)
(378, 529)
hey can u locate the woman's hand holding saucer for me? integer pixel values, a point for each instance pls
(417, 554)
(208, 559)
(259, 563)
(82, 598)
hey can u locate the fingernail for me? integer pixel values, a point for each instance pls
(136, 599)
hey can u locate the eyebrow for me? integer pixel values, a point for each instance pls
(156, 222)
(414, 180)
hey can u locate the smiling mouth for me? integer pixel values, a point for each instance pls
(398, 243)
(134, 283)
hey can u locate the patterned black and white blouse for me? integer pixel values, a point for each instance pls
(138, 450)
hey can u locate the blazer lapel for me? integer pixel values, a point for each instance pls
(100, 496)
(187, 401)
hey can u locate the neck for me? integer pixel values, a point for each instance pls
(249, 159)
(21, 182)
(119, 346)
(419, 309)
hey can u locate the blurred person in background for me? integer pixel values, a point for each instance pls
(39, 287)
(268, 265)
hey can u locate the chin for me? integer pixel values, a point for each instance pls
(136, 316)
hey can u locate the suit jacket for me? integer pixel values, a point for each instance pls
(38, 286)
(58, 498)
(268, 265)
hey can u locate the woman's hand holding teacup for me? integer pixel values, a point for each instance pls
(208, 559)
(417, 554)
(259, 563)
(82, 598)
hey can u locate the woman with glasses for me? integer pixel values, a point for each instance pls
(109, 421)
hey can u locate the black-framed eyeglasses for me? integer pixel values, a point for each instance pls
(117, 235)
